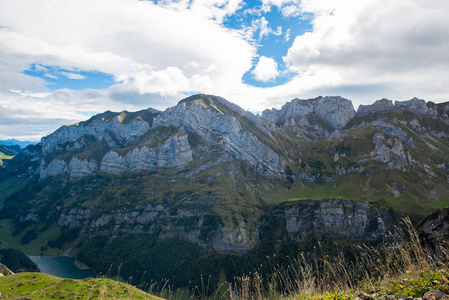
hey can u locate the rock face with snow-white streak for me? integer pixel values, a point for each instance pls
(173, 154)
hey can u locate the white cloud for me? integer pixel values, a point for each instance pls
(165, 82)
(40, 68)
(51, 76)
(278, 31)
(399, 47)
(260, 25)
(291, 10)
(287, 35)
(124, 37)
(74, 76)
(266, 69)
(267, 4)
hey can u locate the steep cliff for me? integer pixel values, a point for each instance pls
(333, 218)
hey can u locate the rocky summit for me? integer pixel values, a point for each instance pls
(222, 178)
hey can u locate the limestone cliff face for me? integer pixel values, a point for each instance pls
(224, 129)
(177, 135)
(205, 230)
(174, 153)
(333, 218)
(415, 105)
(319, 117)
(97, 127)
(201, 125)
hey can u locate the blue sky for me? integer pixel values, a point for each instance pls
(57, 78)
(63, 60)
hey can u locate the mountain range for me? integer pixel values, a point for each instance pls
(208, 172)
(14, 142)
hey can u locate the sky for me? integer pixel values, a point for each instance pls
(62, 61)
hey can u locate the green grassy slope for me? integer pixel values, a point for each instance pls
(6, 153)
(3, 157)
(44, 286)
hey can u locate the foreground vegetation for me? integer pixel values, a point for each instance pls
(44, 286)
(400, 267)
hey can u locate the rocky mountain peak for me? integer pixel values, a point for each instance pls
(334, 110)
(415, 105)
(441, 108)
(382, 105)
(117, 128)
(312, 119)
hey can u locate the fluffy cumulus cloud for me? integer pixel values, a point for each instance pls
(395, 47)
(266, 69)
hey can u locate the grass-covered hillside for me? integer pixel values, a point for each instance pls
(43, 286)
(6, 153)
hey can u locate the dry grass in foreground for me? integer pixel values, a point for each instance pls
(400, 267)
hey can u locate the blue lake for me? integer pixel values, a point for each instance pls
(61, 266)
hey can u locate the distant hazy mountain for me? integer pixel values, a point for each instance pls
(12, 142)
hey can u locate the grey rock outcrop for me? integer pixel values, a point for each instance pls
(186, 224)
(97, 127)
(415, 105)
(303, 220)
(174, 153)
(382, 105)
(333, 218)
(391, 152)
(4, 271)
(334, 113)
(433, 232)
(204, 124)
